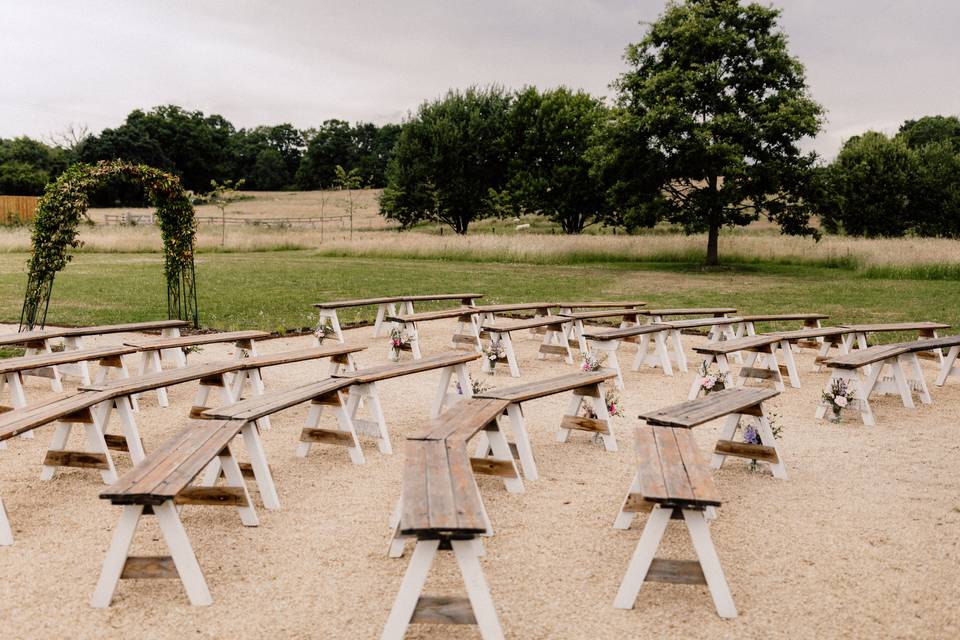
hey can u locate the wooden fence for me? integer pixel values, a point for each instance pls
(16, 210)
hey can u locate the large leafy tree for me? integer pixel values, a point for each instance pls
(549, 135)
(267, 156)
(917, 133)
(26, 165)
(716, 91)
(450, 160)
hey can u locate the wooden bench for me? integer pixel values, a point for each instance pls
(906, 374)
(657, 315)
(747, 326)
(489, 312)
(12, 370)
(607, 342)
(152, 351)
(158, 486)
(822, 339)
(42, 341)
(949, 365)
(441, 507)
(467, 317)
(762, 352)
(386, 306)
(925, 331)
(628, 318)
(718, 328)
(673, 482)
(555, 339)
(740, 408)
(584, 387)
(363, 390)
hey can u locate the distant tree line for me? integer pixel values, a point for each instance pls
(203, 148)
(704, 131)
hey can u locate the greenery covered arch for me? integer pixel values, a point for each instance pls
(63, 204)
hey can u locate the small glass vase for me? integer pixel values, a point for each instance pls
(833, 415)
(394, 354)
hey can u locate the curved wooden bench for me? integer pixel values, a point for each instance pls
(156, 486)
(582, 385)
(42, 341)
(386, 306)
(364, 390)
(673, 482)
(556, 330)
(441, 507)
(467, 333)
(761, 351)
(655, 354)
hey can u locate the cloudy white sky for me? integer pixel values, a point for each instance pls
(871, 63)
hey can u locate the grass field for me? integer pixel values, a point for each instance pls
(274, 290)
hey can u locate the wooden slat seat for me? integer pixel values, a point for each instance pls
(627, 314)
(25, 363)
(395, 370)
(427, 297)
(548, 387)
(197, 340)
(702, 410)
(513, 306)
(426, 316)
(39, 414)
(689, 311)
(927, 344)
(673, 482)
(507, 326)
(811, 333)
(697, 323)
(257, 407)
(357, 302)
(556, 338)
(896, 326)
(781, 317)
(157, 486)
(24, 337)
(623, 333)
(863, 357)
(604, 304)
(750, 343)
(462, 423)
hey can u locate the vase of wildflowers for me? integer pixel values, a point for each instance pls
(399, 341)
(324, 330)
(611, 399)
(592, 362)
(837, 397)
(711, 381)
(492, 354)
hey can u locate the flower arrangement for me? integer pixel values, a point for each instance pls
(476, 386)
(193, 349)
(592, 362)
(324, 330)
(492, 354)
(838, 397)
(399, 341)
(752, 436)
(710, 381)
(612, 400)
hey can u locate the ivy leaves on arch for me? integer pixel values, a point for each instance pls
(58, 214)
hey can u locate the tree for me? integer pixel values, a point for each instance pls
(22, 179)
(935, 191)
(331, 145)
(348, 180)
(267, 157)
(718, 95)
(550, 134)
(870, 183)
(222, 195)
(269, 172)
(917, 133)
(450, 157)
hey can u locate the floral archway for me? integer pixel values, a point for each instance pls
(55, 232)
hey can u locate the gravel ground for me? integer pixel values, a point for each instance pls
(860, 542)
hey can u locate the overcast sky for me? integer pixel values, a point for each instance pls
(871, 63)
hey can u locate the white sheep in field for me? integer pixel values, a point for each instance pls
(521, 227)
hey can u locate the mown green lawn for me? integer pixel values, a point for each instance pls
(274, 290)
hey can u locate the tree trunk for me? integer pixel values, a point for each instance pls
(713, 234)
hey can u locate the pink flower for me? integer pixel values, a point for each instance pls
(707, 383)
(840, 401)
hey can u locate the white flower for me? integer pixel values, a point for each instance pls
(840, 401)
(707, 383)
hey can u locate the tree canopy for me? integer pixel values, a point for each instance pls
(716, 92)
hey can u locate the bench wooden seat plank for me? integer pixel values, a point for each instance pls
(513, 306)
(197, 340)
(257, 407)
(896, 326)
(395, 370)
(357, 302)
(18, 421)
(630, 315)
(431, 505)
(551, 386)
(672, 482)
(24, 363)
(812, 332)
(689, 311)
(427, 297)
(625, 332)
(750, 343)
(63, 332)
(605, 304)
(777, 317)
(461, 424)
(526, 323)
(863, 357)
(426, 316)
(932, 343)
(696, 323)
(716, 405)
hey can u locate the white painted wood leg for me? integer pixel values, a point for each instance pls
(573, 408)
(778, 468)
(518, 427)
(642, 558)
(378, 322)
(257, 388)
(59, 442)
(678, 352)
(344, 423)
(128, 424)
(443, 388)
(414, 333)
(511, 355)
(477, 590)
(410, 589)
(625, 518)
(18, 397)
(660, 346)
(947, 367)
(313, 419)
(6, 534)
(603, 413)
(900, 379)
(116, 557)
(728, 432)
(614, 363)
(791, 364)
(96, 443)
(398, 542)
(182, 554)
(918, 383)
(501, 452)
(231, 470)
(261, 470)
(154, 366)
(641, 357)
(710, 563)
